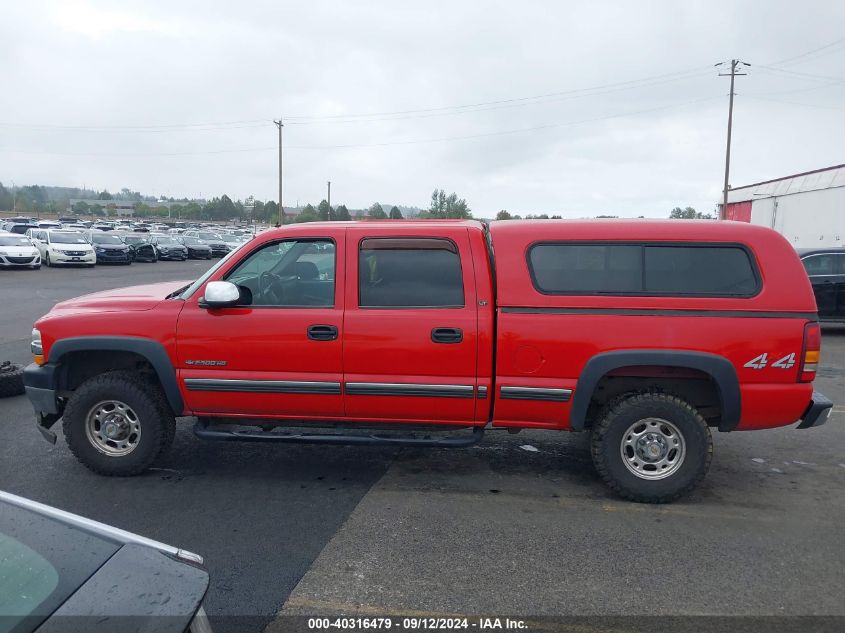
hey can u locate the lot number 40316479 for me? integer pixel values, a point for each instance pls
(761, 361)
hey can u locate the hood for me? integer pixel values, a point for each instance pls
(143, 297)
(111, 247)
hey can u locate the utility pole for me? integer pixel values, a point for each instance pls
(280, 125)
(329, 195)
(735, 63)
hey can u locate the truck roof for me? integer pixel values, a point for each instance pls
(634, 229)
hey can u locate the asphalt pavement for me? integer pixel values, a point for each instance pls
(520, 525)
(258, 514)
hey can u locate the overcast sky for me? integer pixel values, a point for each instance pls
(177, 99)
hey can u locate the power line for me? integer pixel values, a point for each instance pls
(144, 128)
(683, 74)
(771, 69)
(388, 143)
(826, 47)
(498, 106)
(795, 103)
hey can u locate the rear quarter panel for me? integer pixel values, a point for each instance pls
(550, 346)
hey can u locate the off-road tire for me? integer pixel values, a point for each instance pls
(615, 420)
(158, 426)
(11, 379)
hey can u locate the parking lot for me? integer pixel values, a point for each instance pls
(519, 525)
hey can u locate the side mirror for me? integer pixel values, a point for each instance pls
(220, 294)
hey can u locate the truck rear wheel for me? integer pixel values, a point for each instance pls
(651, 447)
(117, 424)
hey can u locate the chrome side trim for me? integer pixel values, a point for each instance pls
(482, 393)
(408, 389)
(535, 393)
(262, 386)
(95, 527)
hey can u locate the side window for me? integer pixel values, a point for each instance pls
(699, 270)
(642, 269)
(819, 264)
(409, 273)
(839, 269)
(292, 273)
(586, 268)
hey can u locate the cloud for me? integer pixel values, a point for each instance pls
(98, 21)
(606, 139)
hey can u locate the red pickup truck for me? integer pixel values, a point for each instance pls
(645, 333)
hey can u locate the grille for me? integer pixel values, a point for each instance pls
(20, 260)
(75, 253)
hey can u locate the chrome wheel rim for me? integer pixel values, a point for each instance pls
(653, 448)
(113, 428)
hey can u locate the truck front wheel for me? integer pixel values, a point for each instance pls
(117, 424)
(651, 447)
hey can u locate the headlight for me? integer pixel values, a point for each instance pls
(36, 347)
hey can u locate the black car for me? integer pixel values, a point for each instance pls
(826, 269)
(110, 249)
(141, 247)
(20, 227)
(219, 248)
(197, 249)
(169, 248)
(61, 572)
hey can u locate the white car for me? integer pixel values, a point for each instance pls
(63, 247)
(16, 251)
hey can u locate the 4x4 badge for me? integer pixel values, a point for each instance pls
(759, 362)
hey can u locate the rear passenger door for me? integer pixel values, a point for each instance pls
(410, 327)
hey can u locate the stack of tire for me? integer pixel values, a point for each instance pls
(11, 379)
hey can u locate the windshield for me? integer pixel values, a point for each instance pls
(205, 235)
(186, 294)
(192, 241)
(105, 239)
(67, 238)
(167, 241)
(8, 240)
(230, 239)
(134, 239)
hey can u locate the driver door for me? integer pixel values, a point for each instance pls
(278, 353)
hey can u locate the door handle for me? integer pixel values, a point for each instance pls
(322, 332)
(447, 335)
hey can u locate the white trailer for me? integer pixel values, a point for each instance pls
(808, 209)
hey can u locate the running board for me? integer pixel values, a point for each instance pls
(208, 432)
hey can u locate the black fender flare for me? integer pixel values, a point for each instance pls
(719, 368)
(152, 351)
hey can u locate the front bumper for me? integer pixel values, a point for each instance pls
(817, 412)
(61, 258)
(24, 261)
(40, 383)
(114, 257)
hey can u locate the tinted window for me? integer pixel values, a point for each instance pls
(409, 272)
(699, 270)
(101, 238)
(591, 268)
(820, 264)
(651, 269)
